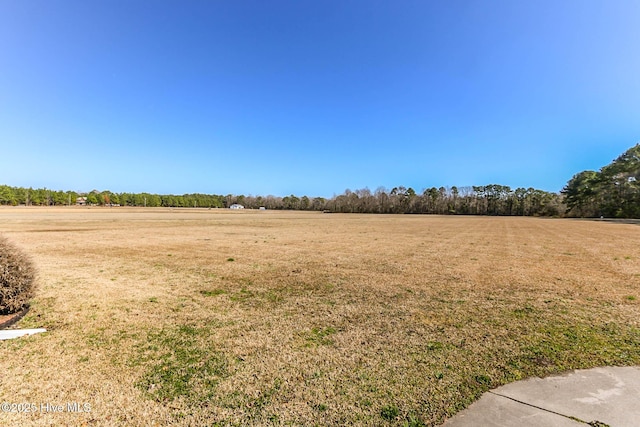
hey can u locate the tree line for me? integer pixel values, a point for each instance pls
(477, 200)
(491, 199)
(612, 192)
(15, 196)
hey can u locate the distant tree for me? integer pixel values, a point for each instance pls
(580, 193)
(318, 203)
(58, 198)
(71, 197)
(229, 200)
(92, 198)
(382, 199)
(22, 195)
(614, 191)
(7, 195)
(453, 205)
(290, 202)
(620, 185)
(305, 203)
(104, 198)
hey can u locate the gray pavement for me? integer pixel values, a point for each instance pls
(598, 397)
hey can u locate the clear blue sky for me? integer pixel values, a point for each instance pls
(313, 97)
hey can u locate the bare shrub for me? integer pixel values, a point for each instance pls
(17, 278)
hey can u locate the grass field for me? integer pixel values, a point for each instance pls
(213, 317)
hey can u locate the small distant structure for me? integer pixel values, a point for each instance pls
(262, 208)
(236, 206)
(81, 201)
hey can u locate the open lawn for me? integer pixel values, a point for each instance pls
(206, 317)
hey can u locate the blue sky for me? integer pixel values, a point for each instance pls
(314, 97)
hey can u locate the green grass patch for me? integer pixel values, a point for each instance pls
(243, 295)
(320, 336)
(434, 345)
(320, 407)
(562, 347)
(253, 407)
(524, 311)
(213, 292)
(181, 364)
(389, 412)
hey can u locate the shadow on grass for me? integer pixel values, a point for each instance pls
(633, 221)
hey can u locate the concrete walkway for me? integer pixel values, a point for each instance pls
(592, 397)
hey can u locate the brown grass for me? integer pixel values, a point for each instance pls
(204, 317)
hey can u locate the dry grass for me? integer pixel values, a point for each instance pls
(205, 317)
(17, 278)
